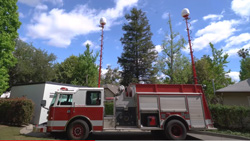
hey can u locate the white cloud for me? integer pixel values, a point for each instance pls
(237, 40)
(92, 44)
(158, 48)
(241, 7)
(214, 33)
(34, 3)
(193, 21)
(234, 51)
(87, 42)
(59, 27)
(21, 15)
(104, 71)
(23, 38)
(165, 15)
(41, 7)
(55, 2)
(30, 2)
(234, 75)
(179, 23)
(160, 31)
(213, 17)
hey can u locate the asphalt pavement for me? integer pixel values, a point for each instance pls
(194, 135)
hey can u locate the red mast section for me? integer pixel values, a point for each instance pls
(185, 13)
(102, 23)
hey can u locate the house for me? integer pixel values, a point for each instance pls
(110, 90)
(237, 94)
(38, 92)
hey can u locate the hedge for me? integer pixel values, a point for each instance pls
(16, 111)
(109, 108)
(230, 117)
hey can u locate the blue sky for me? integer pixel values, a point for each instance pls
(63, 27)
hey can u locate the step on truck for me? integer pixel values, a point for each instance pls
(169, 109)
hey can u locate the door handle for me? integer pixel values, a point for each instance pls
(68, 111)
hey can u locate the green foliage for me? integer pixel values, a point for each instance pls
(65, 70)
(138, 50)
(212, 68)
(9, 24)
(33, 65)
(172, 63)
(229, 117)
(109, 108)
(80, 70)
(16, 111)
(112, 76)
(244, 64)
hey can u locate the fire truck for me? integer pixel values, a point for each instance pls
(170, 109)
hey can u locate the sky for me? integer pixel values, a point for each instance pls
(64, 27)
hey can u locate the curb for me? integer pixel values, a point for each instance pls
(26, 130)
(220, 135)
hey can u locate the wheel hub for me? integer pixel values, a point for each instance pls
(78, 131)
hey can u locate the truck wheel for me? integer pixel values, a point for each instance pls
(175, 130)
(78, 130)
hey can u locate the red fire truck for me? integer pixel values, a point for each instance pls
(172, 109)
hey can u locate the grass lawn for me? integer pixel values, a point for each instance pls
(229, 132)
(12, 133)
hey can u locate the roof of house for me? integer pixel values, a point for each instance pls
(242, 86)
(112, 88)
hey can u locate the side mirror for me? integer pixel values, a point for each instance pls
(43, 103)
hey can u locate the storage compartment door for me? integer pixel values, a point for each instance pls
(148, 103)
(196, 112)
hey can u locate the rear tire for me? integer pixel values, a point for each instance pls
(78, 130)
(175, 130)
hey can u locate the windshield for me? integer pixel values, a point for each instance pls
(53, 100)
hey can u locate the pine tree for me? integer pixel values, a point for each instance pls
(9, 24)
(172, 62)
(138, 50)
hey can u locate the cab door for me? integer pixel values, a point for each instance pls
(63, 111)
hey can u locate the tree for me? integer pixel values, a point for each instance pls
(244, 64)
(112, 76)
(172, 62)
(33, 65)
(8, 33)
(212, 69)
(65, 70)
(138, 50)
(80, 70)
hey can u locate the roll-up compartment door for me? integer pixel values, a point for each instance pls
(173, 104)
(196, 112)
(148, 103)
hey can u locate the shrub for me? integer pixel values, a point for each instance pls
(16, 111)
(230, 117)
(109, 108)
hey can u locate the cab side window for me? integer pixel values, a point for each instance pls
(93, 98)
(65, 99)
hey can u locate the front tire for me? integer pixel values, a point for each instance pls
(78, 130)
(175, 130)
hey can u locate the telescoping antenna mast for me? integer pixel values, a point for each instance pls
(102, 23)
(185, 13)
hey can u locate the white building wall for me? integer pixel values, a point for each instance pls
(33, 92)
